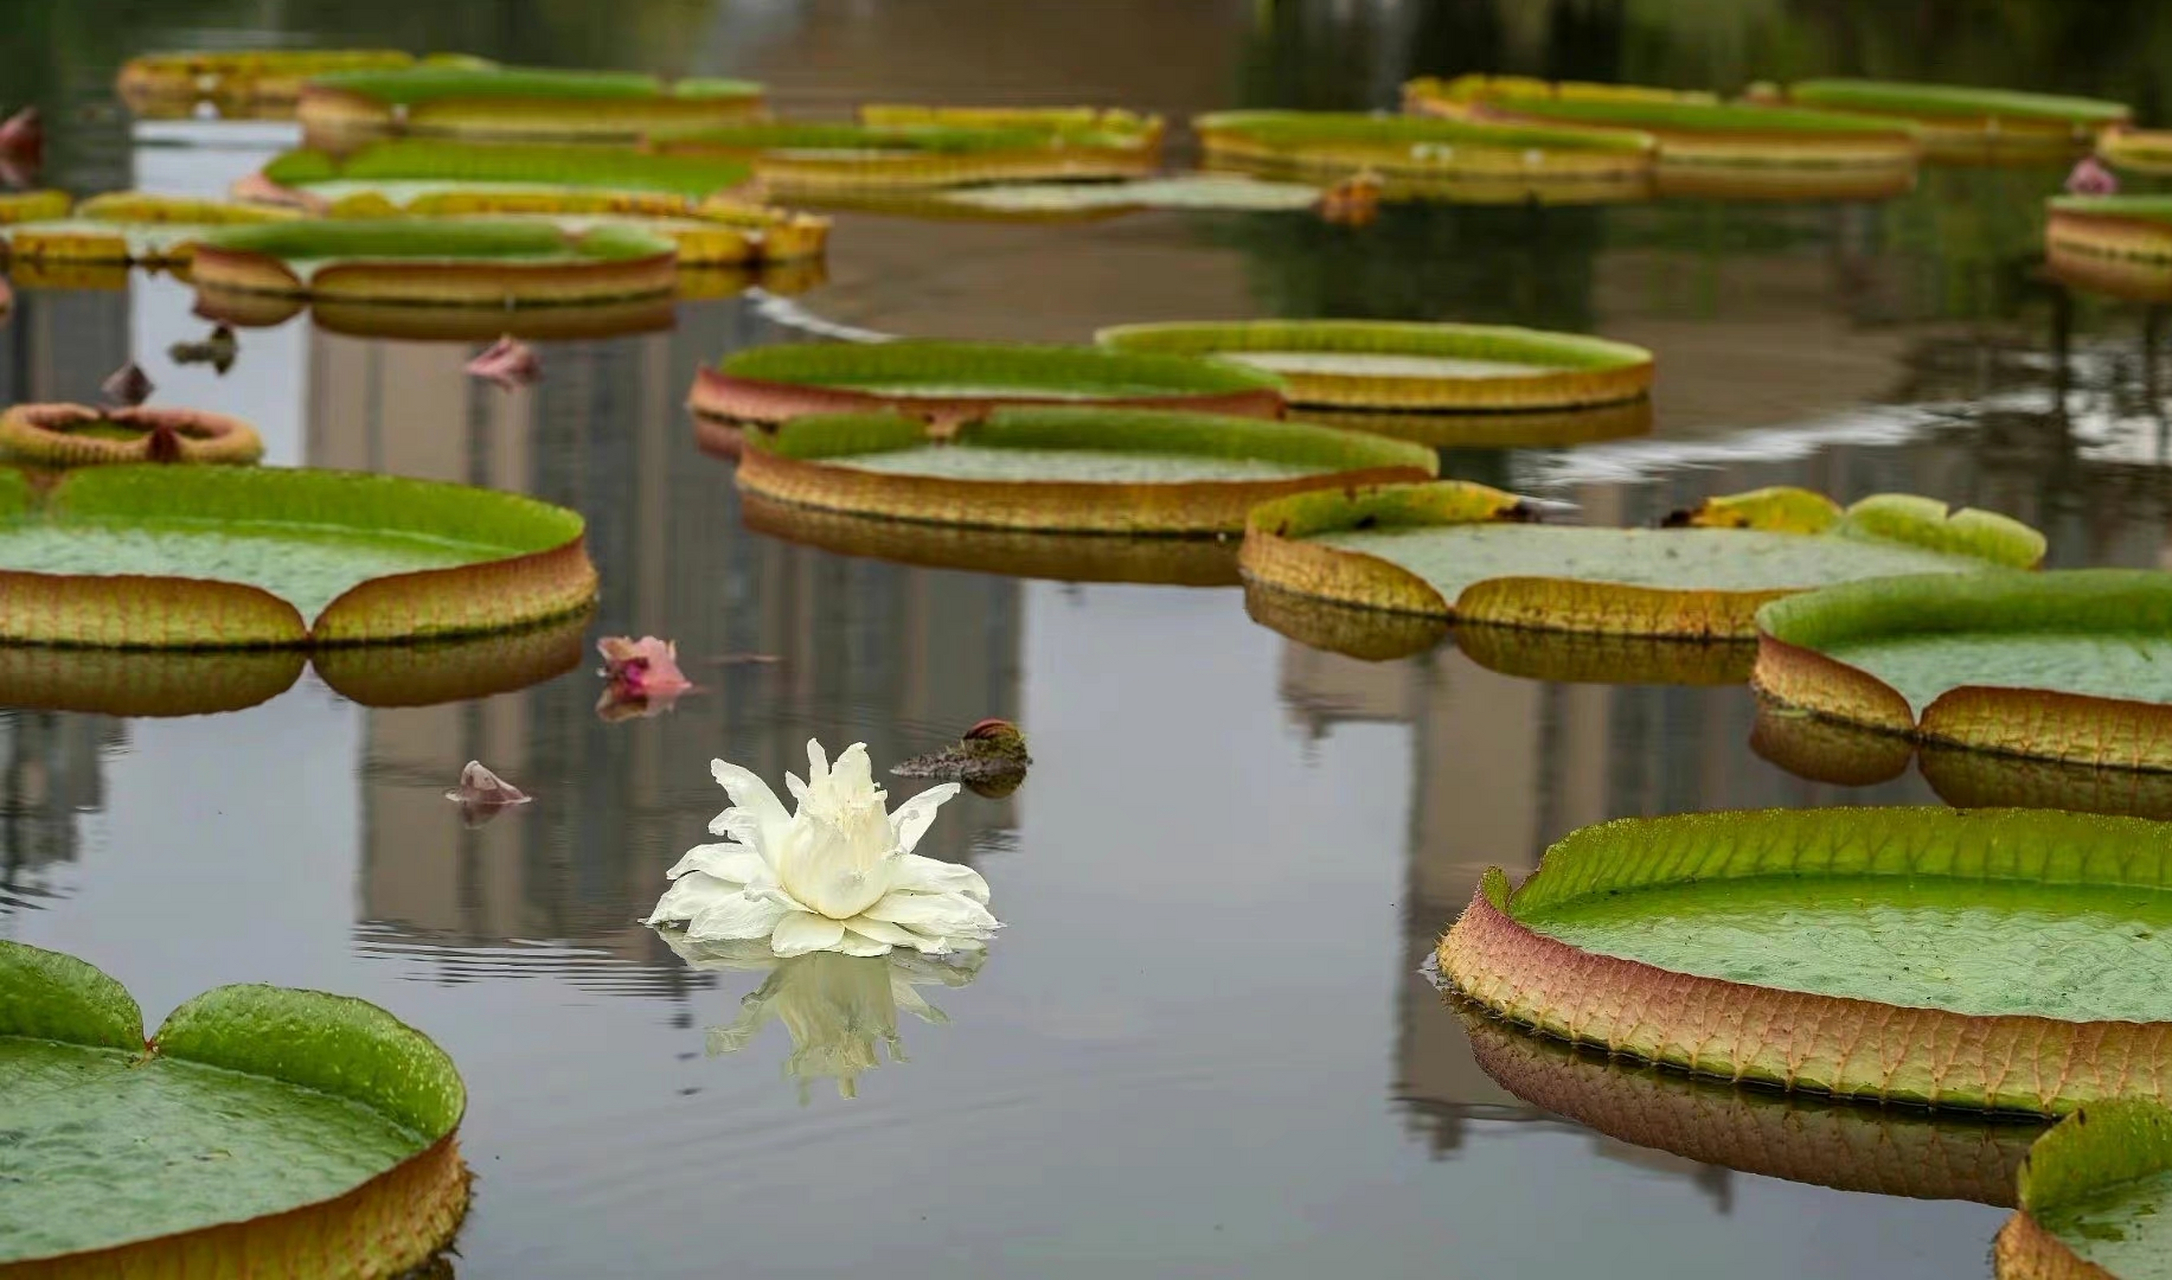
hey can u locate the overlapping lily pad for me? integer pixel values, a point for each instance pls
(437, 262)
(1876, 1150)
(1419, 157)
(151, 557)
(32, 206)
(129, 227)
(2121, 245)
(1965, 123)
(2070, 665)
(1453, 549)
(515, 102)
(245, 78)
(2139, 150)
(1401, 365)
(74, 435)
(263, 1130)
(949, 382)
(1079, 470)
(1706, 148)
(2093, 1196)
(805, 158)
(1993, 960)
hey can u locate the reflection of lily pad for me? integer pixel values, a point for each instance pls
(960, 381)
(1961, 123)
(1513, 429)
(2007, 960)
(2070, 665)
(1386, 364)
(1880, 1150)
(1417, 156)
(1826, 751)
(1466, 551)
(263, 1131)
(1706, 149)
(841, 1011)
(2094, 1198)
(436, 261)
(1065, 469)
(516, 102)
(1373, 635)
(2121, 245)
(1012, 553)
(131, 557)
(1578, 657)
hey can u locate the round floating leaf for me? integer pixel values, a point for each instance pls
(809, 158)
(264, 1130)
(1417, 156)
(219, 557)
(2140, 150)
(2094, 1198)
(1055, 200)
(960, 381)
(2003, 960)
(449, 261)
(1878, 1150)
(517, 102)
(2121, 245)
(2070, 665)
(74, 435)
(1459, 550)
(1961, 123)
(1091, 470)
(412, 167)
(1382, 364)
(229, 76)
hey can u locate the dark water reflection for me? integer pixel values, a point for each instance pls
(1204, 1045)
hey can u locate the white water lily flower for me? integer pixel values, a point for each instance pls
(838, 875)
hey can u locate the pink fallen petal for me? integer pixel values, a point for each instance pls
(127, 387)
(2091, 178)
(22, 136)
(508, 362)
(480, 787)
(644, 668)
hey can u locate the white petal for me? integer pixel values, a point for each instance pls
(800, 933)
(739, 916)
(748, 792)
(916, 874)
(818, 764)
(890, 935)
(691, 895)
(793, 784)
(735, 863)
(852, 774)
(859, 944)
(952, 915)
(911, 820)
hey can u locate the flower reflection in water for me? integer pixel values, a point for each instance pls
(841, 1011)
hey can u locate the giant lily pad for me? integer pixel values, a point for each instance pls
(1999, 960)
(2094, 1193)
(1065, 469)
(130, 227)
(151, 557)
(1010, 553)
(74, 435)
(1962, 123)
(1461, 550)
(244, 77)
(2072, 665)
(263, 1130)
(1384, 364)
(436, 261)
(1053, 201)
(1502, 429)
(2141, 150)
(800, 158)
(1479, 161)
(1877, 1150)
(516, 102)
(959, 381)
(2121, 245)
(1705, 148)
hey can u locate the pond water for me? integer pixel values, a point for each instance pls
(1204, 1046)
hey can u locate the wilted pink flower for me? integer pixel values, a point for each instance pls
(509, 362)
(22, 136)
(2091, 178)
(641, 677)
(126, 387)
(483, 794)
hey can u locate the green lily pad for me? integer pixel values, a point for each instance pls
(402, 169)
(1231, 192)
(2096, 1198)
(440, 261)
(1911, 100)
(416, 86)
(1464, 551)
(1989, 960)
(1065, 469)
(2072, 665)
(1401, 365)
(131, 557)
(954, 381)
(259, 1127)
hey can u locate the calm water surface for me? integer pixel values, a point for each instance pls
(1204, 1046)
